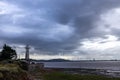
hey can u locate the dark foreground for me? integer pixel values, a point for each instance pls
(69, 74)
(64, 76)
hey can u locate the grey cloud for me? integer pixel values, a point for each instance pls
(43, 15)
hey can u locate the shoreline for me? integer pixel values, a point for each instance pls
(84, 71)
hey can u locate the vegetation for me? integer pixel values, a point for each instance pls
(13, 72)
(65, 76)
(10, 68)
(7, 53)
(22, 64)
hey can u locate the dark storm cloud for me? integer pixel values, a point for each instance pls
(53, 24)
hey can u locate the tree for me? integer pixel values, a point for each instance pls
(8, 53)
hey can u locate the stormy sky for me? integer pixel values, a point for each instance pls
(69, 29)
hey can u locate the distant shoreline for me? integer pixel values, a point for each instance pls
(65, 60)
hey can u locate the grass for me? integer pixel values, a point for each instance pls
(11, 71)
(65, 76)
(10, 67)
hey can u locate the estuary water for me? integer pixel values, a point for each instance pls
(107, 65)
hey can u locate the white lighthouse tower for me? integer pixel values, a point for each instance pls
(27, 52)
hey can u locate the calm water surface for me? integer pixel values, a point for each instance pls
(110, 65)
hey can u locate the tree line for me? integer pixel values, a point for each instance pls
(7, 53)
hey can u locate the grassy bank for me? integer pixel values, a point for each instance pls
(11, 71)
(65, 76)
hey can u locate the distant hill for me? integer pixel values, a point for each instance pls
(58, 60)
(52, 60)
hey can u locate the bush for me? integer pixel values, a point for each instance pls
(12, 72)
(24, 65)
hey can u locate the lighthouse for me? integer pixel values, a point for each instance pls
(27, 53)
